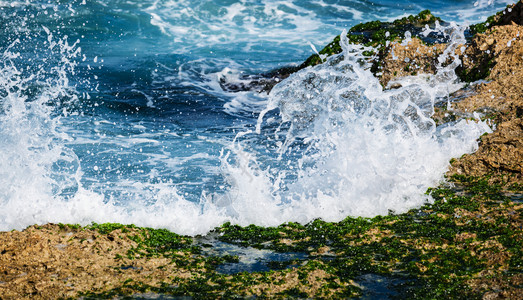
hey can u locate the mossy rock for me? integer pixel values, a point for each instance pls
(467, 241)
(423, 18)
(512, 14)
(376, 34)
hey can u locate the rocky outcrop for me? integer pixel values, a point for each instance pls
(374, 34)
(409, 59)
(58, 261)
(496, 56)
(501, 99)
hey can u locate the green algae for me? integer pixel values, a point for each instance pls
(161, 241)
(491, 21)
(448, 266)
(423, 18)
(480, 70)
(69, 226)
(105, 228)
(374, 34)
(431, 252)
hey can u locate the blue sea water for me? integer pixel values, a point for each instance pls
(112, 111)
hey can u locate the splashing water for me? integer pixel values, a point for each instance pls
(154, 145)
(35, 167)
(367, 150)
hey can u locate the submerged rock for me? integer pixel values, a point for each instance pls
(260, 82)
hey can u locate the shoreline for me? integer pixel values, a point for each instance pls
(468, 243)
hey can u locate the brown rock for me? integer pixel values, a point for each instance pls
(500, 153)
(410, 59)
(48, 263)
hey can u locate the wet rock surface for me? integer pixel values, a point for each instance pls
(409, 59)
(57, 261)
(501, 99)
(261, 83)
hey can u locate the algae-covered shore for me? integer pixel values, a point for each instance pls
(468, 243)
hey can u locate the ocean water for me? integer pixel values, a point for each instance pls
(112, 111)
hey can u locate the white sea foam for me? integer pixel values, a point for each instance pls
(207, 24)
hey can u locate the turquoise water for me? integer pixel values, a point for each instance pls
(112, 111)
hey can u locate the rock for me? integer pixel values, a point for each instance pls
(375, 34)
(411, 59)
(512, 14)
(35, 265)
(499, 153)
